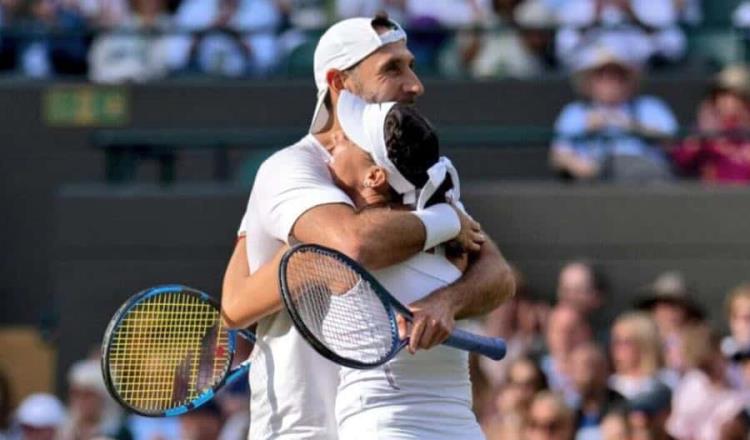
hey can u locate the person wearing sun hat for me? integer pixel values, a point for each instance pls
(612, 132)
(40, 416)
(720, 152)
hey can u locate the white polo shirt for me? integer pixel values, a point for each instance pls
(293, 388)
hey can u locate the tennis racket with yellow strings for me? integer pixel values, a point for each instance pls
(166, 351)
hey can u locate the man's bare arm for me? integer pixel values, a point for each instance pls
(486, 284)
(375, 237)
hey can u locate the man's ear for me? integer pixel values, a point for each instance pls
(335, 79)
(377, 178)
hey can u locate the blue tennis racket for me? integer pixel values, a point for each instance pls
(166, 351)
(347, 315)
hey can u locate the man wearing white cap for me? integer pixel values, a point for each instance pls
(40, 416)
(293, 388)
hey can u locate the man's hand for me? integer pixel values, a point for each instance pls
(433, 322)
(471, 237)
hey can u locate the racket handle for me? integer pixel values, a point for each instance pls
(493, 348)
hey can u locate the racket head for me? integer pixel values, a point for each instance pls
(166, 351)
(345, 314)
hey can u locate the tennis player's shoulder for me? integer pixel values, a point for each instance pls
(306, 153)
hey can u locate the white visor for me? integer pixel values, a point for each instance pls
(363, 124)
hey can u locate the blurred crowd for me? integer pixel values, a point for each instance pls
(658, 370)
(615, 133)
(139, 40)
(90, 413)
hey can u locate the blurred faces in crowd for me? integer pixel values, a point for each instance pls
(549, 418)
(580, 286)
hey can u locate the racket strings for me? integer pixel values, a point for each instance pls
(339, 307)
(166, 351)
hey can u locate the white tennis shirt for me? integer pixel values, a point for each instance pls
(293, 388)
(412, 397)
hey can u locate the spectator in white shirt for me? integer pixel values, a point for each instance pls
(648, 27)
(236, 37)
(519, 52)
(131, 52)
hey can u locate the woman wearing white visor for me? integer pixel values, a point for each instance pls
(388, 154)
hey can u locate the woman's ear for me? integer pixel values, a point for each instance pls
(376, 178)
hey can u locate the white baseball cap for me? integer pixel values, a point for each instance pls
(41, 411)
(342, 46)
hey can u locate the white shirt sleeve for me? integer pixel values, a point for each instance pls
(242, 230)
(656, 115)
(290, 183)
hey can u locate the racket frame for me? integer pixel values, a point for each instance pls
(385, 298)
(228, 375)
(494, 348)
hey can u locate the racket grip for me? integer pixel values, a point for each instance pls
(493, 348)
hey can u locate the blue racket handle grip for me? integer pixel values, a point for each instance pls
(493, 348)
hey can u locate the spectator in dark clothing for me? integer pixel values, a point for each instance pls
(648, 413)
(9, 9)
(589, 371)
(47, 55)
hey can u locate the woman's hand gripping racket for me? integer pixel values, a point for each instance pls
(347, 316)
(166, 351)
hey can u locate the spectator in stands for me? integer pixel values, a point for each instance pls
(9, 10)
(589, 371)
(46, 55)
(702, 403)
(566, 329)
(648, 413)
(203, 423)
(669, 303)
(136, 51)
(582, 286)
(648, 28)
(549, 418)
(92, 412)
(738, 340)
(39, 417)
(520, 321)
(430, 23)
(234, 37)
(615, 426)
(522, 50)
(102, 14)
(510, 408)
(396, 9)
(635, 349)
(612, 133)
(720, 153)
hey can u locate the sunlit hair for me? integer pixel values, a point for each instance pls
(741, 292)
(643, 330)
(699, 347)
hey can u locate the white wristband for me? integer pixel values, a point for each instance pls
(441, 224)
